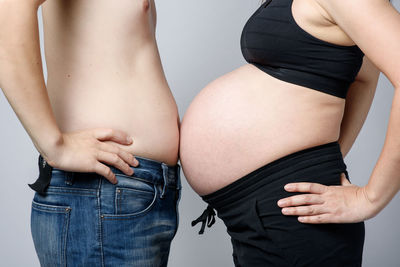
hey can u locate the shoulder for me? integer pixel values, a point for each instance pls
(338, 10)
(380, 40)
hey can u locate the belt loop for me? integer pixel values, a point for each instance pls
(178, 176)
(165, 177)
(69, 178)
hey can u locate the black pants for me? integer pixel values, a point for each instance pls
(262, 236)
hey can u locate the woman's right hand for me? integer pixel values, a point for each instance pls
(86, 151)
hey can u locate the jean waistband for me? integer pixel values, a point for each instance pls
(325, 156)
(148, 169)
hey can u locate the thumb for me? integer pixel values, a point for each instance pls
(117, 136)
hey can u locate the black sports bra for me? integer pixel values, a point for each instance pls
(272, 41)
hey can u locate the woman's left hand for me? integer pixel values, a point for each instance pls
(347, 203)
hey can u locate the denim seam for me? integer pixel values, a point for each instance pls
(116, 202)
(49, 208)
(100, 225)
(132, 215)
(179, 192)
(66, 210)
(52, 187)
(70, 193)
(65, 235)
(136, 190)
(135, 177)
(148, 159)
(118, 196)
(165, 178)
(145, 180)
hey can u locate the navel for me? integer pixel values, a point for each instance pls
(146, 5)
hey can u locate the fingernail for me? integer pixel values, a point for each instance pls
(301, 219)
(281, 202)
(136, 162)
(284, 211)
(129, 140)
(288, 186)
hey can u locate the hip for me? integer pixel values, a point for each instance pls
(82, 219)
(257, 227)
(151, 180)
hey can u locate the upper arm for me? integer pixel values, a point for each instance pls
(374, 25)
(368, 73)
(33, 3)
(358, 103)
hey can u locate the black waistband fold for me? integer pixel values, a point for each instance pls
(327, 156)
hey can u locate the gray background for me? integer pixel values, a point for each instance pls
(198, 42)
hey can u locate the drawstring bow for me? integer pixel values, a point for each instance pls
(207, 217)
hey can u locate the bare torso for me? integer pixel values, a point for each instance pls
(247, 118)
(104, 70)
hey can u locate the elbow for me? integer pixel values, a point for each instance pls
(395, 79)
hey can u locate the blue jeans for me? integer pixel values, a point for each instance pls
(84, 220)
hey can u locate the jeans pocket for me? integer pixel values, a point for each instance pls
(49, 229)
(133, 197)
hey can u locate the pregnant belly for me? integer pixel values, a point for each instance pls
(247, 119)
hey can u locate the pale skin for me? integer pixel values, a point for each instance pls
(106, 97)
(350, 203)
(239, 122)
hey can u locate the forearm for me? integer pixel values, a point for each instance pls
(21, 75)
(358, 102)
(384, 182)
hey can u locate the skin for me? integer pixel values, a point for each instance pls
(351, 203)
(106, 98)
(235, 126)
(220, 143)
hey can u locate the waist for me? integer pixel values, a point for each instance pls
(320, 164)
(148, 171)
(148, 113)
